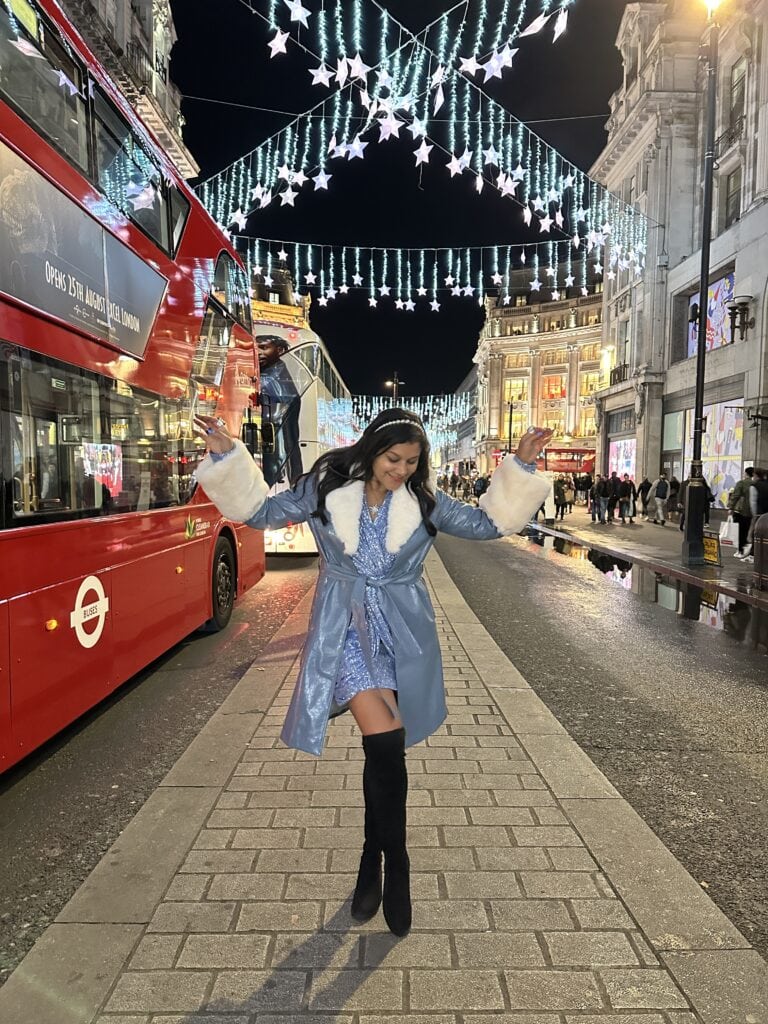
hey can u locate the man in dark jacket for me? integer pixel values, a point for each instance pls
(758, 506)
(643, 490)
(613, 495)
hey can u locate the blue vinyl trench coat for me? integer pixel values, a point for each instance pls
(235, 485)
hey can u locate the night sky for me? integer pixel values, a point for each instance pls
(222, 54)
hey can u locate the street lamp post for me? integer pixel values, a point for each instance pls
(695, 497)
(395, 385)
(509, 430)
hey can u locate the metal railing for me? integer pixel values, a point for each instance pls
(140, 61)
(619, 374)
(730, 136)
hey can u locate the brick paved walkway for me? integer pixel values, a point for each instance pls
(539, 896)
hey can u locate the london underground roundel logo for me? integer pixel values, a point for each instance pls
(89, 611)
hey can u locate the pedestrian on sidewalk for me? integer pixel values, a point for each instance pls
(673, 498)
(627, 499)
(613, 496)
(643, 490)
(603, 496)
(657, 498)
(758, 504)
(741, 509)
(570, 494)
(682, 498)
(594, 500)
(560, 499)
(372, 646)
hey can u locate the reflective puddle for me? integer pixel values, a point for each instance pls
(742, 621)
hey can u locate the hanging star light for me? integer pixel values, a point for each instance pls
(479, 183)
(372, 302)
(456, 290)
(385, 79)
(321, 180)
(490, 156)
(410, 305)
(417, 128)
(284, 172)
(269, 281)
(384, 290)
(278, 44)
(321, 75)
(493, 67)
(506, 56)
(434, 306)
(465, 159)
(322, 300)
(342, 71)
(399, 303)
(356, 148)
(561, 24)
(357, 280)
(538, 204)
(389, 127)
(357, 68)
(454, 166)
(497, 278)
(469, 65)
(310, 278)
(298, 12)
(439, 99)
(343, 289)
(266, 199)
(450, 280)
(331, 292)
(569, 281)
(536, 25)
(282, 255)
(545, 223)
(468, 290)
(299, 178)
(288, 197)
(555, 295)
(238, 218)
(421, 291)
(422, 153)
(535, 285)
(527, 215)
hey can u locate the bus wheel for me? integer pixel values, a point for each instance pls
(223, 584)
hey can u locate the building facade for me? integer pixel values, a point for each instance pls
(654, 160)
(540, 363)
(132, 39)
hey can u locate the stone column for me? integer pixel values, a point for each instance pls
(534, 391)
(572, 407)
(495, 386)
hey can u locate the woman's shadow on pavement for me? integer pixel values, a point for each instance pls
(296, 983)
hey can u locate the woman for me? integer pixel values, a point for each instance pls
(560, 498)
(570, 493)
(372, 646)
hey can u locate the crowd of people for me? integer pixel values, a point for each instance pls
(615, 498)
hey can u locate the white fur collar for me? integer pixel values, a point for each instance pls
(346, 503)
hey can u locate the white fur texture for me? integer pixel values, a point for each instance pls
(234, 484)
(513, 496)
(345, 505)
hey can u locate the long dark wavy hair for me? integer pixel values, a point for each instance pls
(338, 467)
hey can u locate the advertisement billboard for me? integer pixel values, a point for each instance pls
(719, 294)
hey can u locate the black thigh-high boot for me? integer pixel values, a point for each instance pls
(388, 790)
(366, 899)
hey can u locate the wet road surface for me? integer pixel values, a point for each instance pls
(65, 805)
(674, 712)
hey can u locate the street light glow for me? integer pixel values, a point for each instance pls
(712, 6)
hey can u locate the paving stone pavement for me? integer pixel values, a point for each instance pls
(540, 897)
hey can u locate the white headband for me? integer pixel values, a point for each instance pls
(392, 423)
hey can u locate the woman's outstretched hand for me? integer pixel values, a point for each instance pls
(532, 442)
(213, 431)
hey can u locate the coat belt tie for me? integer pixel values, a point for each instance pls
(399, 628)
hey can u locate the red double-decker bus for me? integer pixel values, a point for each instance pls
(123, 312)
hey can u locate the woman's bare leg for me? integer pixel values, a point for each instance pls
(375, 711)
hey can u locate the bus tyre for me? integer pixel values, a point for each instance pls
(223, 586)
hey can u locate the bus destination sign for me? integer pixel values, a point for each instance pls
(58, 259)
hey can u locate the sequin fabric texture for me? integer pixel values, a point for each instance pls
(373, 561)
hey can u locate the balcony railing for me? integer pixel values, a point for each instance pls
(730, 136)
(619, 374)
(139, 61)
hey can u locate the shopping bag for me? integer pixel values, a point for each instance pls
(729, 533)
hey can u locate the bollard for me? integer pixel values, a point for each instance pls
(760, 551)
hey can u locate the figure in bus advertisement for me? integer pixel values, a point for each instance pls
(281, 406)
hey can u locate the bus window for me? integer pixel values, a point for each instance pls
(230, 288)
(77, 445)
(42, 82)
(128, 177)
(179, 213)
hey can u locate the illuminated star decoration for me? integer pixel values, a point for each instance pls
(422, 153)
(535, 285)
(410, 305)
(238, 218)
(357, 280)
(356, 148)
(569, 281)
(536, 26)
(298, 13)
(288, 197)
(310, 278)
(321, 75)
(67, 83)
(497, 278)
(372, 302)
(357, 69)
(399, 303)
(434, 305)
(343, 289)
(322, 301)
(277, 45)
(454, 165)
(384, 289)
(321, 180)
(469, 65)
(421, 291)
(282, 255)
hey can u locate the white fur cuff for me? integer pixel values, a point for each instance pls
(513, 496)
(234, 484)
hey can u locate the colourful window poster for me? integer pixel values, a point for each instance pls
(720, 448)
(720, 293)
(622, 456)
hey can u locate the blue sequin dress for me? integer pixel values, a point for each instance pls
(373, 561)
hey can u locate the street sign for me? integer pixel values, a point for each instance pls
(712, 549)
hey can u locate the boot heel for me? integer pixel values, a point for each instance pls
(397, 897)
